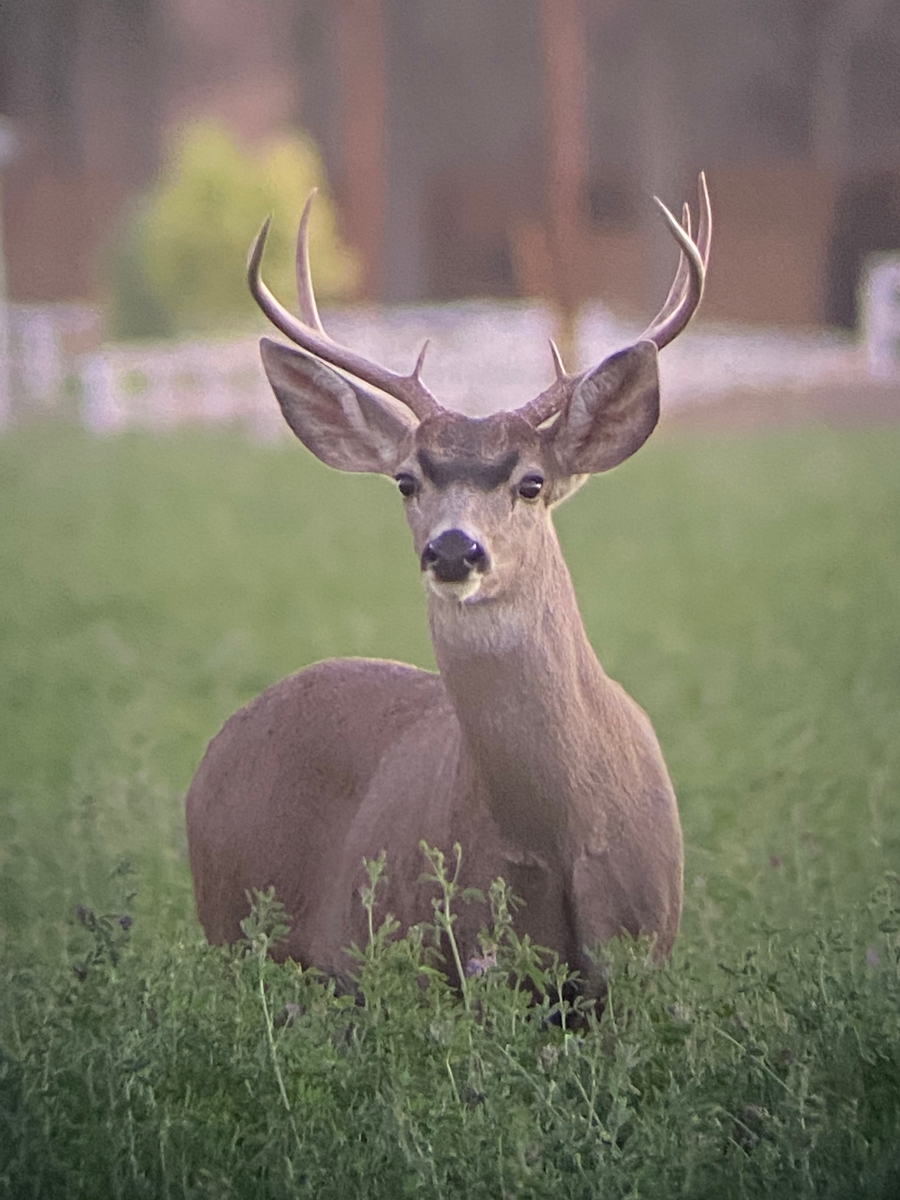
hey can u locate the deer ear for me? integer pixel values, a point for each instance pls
(611, 413)
(343, 424)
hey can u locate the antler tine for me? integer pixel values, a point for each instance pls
(557, 361)
(680, 282)
(704, 232)
(687, 289)
(548, 403)
(678, 309)
(417, 369)
(680, 305)
(305, 295)
(310, 336)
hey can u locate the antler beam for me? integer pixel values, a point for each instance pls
(680, 305)
(687, 287)
(310, 335)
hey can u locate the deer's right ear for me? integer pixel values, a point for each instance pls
(611, 413)
(342, 423)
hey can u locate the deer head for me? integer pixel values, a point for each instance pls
(477, 491)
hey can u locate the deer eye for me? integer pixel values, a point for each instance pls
(407, 484)
(530, 487)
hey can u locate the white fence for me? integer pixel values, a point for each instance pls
(162, 386)
(880, 310)
(482, 357)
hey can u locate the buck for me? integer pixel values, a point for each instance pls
(521, 749)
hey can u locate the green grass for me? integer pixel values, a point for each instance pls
(745, 591)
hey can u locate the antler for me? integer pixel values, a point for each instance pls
(310, 335)
(680, 305)
(686, 291)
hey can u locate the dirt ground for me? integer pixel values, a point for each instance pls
(862, 402)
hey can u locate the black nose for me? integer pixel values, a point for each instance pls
(453, 555)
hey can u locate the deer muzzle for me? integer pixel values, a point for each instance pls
(453, 556)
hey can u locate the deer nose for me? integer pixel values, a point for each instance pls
(453, 555)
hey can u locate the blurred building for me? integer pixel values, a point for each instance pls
(497, 149)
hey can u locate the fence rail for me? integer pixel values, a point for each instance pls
(483, 357)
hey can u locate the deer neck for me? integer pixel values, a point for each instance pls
(530, 696)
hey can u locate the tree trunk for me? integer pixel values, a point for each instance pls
(565, 104)
(363, 76)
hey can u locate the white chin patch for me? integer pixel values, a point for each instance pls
(460, 592)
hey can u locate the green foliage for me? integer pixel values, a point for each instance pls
(192, 1071)
(173, 269)
(746, 593)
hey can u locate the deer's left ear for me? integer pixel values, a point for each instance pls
(611, 413)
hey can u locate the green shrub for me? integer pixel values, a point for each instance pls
(744, 589)
(178, 264)
(769, 1067)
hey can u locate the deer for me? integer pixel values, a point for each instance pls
(520, 750)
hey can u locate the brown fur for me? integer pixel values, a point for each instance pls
(521, 749)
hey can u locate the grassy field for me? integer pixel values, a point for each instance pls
(745, 591)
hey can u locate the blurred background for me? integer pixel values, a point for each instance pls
(485, 174)
(504, 153)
